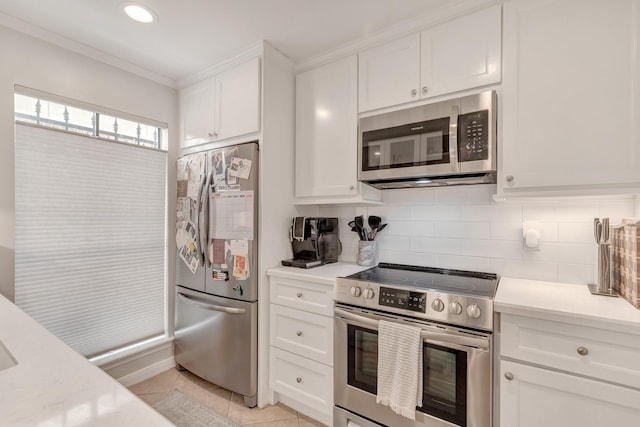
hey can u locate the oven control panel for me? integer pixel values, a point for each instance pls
(399, 298)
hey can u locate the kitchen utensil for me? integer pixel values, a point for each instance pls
(605, 230)
(374, 234)
(597, 230)
(374, 222)
(359, 220)
(603, 281)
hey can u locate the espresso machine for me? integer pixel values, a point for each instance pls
(314, 240)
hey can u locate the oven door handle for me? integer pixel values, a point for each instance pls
(425, 335)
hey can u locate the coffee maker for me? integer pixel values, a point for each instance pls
(314, 240)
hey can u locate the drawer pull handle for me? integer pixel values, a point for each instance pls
(299, 380)
(299, 294)
(583, 351)
(508, 376)
(299, 333)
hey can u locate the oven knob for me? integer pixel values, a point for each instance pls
(474, 311)
(455, 308)
(369, 293)
(437, 305)
(356, 291)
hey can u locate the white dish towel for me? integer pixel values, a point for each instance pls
(399, 368)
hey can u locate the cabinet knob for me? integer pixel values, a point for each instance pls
(299, 380)
(299, 333)
(582, 351)
(508, 376)
(351, 187)
(509, 178)
(299, 294)
(414, 92)
(211, 134)
(424, 90)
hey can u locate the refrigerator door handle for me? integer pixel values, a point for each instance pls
(228, 310)
(199, 248)
(203, 214)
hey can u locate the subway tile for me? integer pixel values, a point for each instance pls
(435, 245)
(409, 228)
(393, 243)
(390, 213)
(459, 262)
(491, 248)
(435, 213)
(615, 210)
(497, 212)
(547, 271)
(576, 253)
(576, 232)
(408, 258)
(576, 273)
(464, 195)
(546, 211)
(466, 230)
(409, 196)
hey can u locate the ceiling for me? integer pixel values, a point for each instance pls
(192, 35)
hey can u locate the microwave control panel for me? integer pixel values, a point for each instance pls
(473, 136)
(407, 300)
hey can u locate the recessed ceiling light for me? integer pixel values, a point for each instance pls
(139, 13)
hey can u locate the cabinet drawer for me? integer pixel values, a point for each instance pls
(597, 353)
(306, 334)
(309, 296)
(303, 380)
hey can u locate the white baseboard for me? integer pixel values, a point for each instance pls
(136, 367)
(147, 372)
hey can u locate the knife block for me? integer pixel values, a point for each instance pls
(625, 277)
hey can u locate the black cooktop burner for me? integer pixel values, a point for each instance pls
(453, 281)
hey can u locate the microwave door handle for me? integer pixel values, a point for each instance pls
(425, 335)
(453, 139)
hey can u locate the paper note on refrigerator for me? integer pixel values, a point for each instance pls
(240, 168)
(231, 215)
(239, 247)
(240, 267)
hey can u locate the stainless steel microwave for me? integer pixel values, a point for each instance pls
(444, 143)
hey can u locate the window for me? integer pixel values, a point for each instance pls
(57, 115)
(90, 226)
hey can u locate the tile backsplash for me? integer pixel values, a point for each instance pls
(464, 228)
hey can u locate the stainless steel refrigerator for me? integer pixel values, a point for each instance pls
(216, 334)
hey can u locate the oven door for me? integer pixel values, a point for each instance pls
(456, 370)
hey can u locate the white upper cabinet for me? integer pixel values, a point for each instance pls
(237, 107)
(327, 135)
(223, 106)
(459, 54)
(462, 54)
(389, 74)
(571, 88)
(196, 111)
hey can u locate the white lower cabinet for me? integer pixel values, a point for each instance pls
(556, 374)
(301, 346)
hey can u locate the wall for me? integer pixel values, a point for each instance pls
(36, 64)
(463, 228)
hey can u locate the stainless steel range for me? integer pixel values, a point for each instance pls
(454, 310)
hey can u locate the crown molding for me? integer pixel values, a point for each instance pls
(453, 9)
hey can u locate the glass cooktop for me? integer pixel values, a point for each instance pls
(445, 280)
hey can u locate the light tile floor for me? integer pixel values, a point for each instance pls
(222, 401)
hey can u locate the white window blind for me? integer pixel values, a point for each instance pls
(90, 238)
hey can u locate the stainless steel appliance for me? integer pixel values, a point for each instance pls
(444, 143)
(217, 301)
(453, 309)
(314, 241)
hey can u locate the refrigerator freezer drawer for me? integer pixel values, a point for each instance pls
(216, 339)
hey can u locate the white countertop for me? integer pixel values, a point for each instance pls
(565, 302)
(52, 385)
(324, 274)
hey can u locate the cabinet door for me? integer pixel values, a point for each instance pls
(196, 112)
(237, 107)
(462, 54)
(389, 74)
(537, 397)
(327, 130)
(571, 95)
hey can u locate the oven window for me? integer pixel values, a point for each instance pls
(444, 374)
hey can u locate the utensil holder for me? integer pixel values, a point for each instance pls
(603, 282)
(367, 253)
